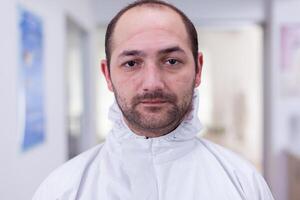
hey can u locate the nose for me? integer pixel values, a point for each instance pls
(152, 78)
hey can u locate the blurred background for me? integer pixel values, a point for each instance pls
(54, 100)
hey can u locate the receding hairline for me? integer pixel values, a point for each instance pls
(150, 5)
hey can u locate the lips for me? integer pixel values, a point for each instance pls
(153, 101)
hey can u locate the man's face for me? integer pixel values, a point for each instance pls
(152, 70)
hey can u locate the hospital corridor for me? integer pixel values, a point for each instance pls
(55, 102)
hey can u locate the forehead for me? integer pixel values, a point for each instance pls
(147, 19)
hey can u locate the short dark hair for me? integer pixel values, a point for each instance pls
(191, 30)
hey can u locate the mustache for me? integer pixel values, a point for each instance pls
(157, 94)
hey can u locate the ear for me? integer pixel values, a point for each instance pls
(106, 73)
(199, 70)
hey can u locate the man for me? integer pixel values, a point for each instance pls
(153, 67)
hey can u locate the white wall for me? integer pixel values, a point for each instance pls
(278, 109)
(22, 172)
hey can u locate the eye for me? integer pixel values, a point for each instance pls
(172, 61)
(131, 63)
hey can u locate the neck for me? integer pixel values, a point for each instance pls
(157, 132)
(152, 133)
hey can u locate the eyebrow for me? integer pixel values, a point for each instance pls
(171, 50)
(131, 53)
(141, 53)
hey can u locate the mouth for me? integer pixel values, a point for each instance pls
(153, 101)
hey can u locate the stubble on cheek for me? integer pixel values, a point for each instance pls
(157, 118)
(154, 118)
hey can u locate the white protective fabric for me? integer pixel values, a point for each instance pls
(177, 166)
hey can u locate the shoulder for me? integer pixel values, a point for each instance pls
(75, 166)
(67, 177)
(227, 157)
(241, 172)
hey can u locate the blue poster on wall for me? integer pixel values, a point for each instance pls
(31, 80)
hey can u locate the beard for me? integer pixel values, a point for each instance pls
(156, 119)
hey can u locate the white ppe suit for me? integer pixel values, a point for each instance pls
(176, 166)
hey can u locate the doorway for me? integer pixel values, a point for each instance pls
(76, 58)
(231, 94)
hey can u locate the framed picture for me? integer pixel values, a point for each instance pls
(31, 80)
(290, 60)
